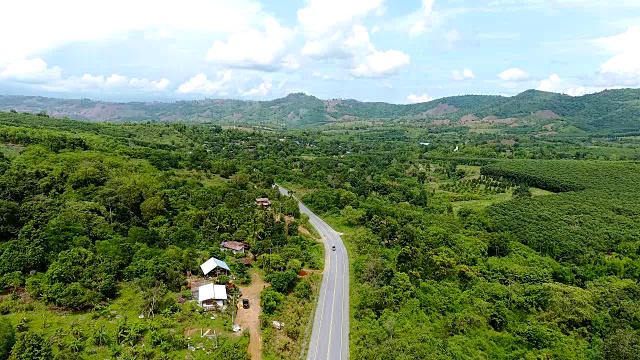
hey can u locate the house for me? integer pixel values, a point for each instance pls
(214, 266)
(264, 202)
(210, 295)
(234, 246)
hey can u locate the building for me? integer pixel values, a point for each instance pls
(234, 246)
(213, 267)
(264, 202)
(210, 295)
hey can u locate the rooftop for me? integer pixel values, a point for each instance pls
(213, 263)
(233, 245)
(212, 292)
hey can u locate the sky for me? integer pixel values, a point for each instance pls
(398, 51)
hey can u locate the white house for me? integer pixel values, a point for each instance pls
(210, 295)
(216, 266)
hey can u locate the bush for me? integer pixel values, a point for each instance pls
(7, 338)
(302, 290)
(282, 281)
(270, 300)
(31, 346)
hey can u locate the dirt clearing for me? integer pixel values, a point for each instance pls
(250, 318)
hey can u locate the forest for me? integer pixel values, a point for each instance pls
(520, 249)
(100, 228)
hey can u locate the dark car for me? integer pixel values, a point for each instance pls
(333, 248)
(245, 303)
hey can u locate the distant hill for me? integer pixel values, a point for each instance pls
(611, 111)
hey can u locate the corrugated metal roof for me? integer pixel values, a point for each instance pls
(213, 263)
(233, 245)
(212, 292)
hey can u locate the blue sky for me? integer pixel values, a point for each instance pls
(373, 50)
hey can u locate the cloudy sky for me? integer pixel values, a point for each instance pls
(397, 51)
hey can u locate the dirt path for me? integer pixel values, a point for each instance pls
(250, 318)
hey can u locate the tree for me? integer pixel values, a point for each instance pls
(294, 265)
(623, 344)
(270, 300)
(353, 216)
(9, 219)
(302, 289)
(282, 281)
(13, 281)
(152, 298)
(499, 244)
(31, 346)
(522, 192)
(7, 337)
(152, 208)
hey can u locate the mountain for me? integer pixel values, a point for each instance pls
(606, 112)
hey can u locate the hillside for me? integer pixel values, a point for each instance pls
(612, 111)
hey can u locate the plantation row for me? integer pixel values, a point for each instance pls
(566, 175)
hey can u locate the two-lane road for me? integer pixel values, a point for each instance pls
(330, 335)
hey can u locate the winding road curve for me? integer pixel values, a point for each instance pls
(330, 335)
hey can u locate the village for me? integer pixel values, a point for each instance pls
(216, 290)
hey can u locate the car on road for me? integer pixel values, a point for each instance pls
(245, 303)
(333, 248)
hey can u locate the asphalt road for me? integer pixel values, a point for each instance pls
(330, 335)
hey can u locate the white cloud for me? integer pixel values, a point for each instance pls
(252, 48)
(56, 23)
(414, 99)
(161, 84)
(263, 89)
(200, 84)
(31, 71)
(359, 40)
(381, 63)
(550, 84)
(511, 5)
(321, 18)
(625, 62)
(452, 37)
(355, 45)
(114, 82)
(463, 75)
(37, 72)
(343, 44)
(559, 85)
(332, 29)
(157, 34)
(424, 19)
(514, 75)
(290, 62)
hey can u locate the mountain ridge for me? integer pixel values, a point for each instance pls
(615, 110)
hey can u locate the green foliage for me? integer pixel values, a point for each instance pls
(31, 346)
(522, 192)
(111, 217)
(609, 111)
(270, 300)
(303, 290)
(282, 281)
(7, 337)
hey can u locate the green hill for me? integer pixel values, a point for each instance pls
(611, 111)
